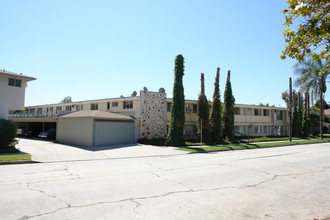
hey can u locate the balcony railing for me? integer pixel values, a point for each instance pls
(34, 115)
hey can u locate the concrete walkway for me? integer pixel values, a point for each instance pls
(48, 151)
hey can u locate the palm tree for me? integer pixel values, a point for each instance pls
(310, 73)
(312, 76)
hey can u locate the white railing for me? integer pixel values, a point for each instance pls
(34, 115)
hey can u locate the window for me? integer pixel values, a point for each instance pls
(194, 108)
(188, 130)
(79, 107)
(68, 108)
(256, 129)
(108, 105)
(242, 129)
(169, 106)
(51, 109)
(14, 82)
(237, 111)
(236, 128)
(128, 104)
(249, 111)
(94, 106)
(257, 112)
(115, 104)
(39, 110)
(279, 115)
(59, 108)
(188, 108)
(266, 129)
(194, 129)
(266, 112)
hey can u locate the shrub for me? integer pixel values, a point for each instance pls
(154, 141)
(8, 133)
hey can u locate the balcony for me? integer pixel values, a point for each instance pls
(34, 115)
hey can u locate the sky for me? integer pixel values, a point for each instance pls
(104, 49)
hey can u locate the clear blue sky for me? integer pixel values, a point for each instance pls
(103, 48)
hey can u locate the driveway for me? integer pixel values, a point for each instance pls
(49, 151)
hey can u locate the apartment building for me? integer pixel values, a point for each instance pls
(12, 90)
(151, 114)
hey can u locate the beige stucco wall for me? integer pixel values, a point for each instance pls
(75, 131)
(247, 119)
(12, 97)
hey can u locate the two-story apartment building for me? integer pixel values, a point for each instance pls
(151, 114)
(260, 120)
(12, 90)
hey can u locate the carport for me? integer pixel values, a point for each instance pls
(95, 128)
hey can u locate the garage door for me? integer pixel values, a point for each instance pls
(113, 133)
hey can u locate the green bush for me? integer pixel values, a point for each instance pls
(8, 133)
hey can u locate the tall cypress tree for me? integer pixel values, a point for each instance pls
(297, 116)
(228, 113)
(175, 134)
(203, 112)
(215, 119)
(306, 121)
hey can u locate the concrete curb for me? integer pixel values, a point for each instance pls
(11, 162)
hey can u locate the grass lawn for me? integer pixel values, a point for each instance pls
(249, 146)
(264, 139)
(15, 157)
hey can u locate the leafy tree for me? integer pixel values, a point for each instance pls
(312, 19)
(203, 112)
(262, 104)
(67, 99)
(306, 125)
(312, 73)
(215, 119)
(285, 97)
(326, 104)
(228, 113)
(175, 135)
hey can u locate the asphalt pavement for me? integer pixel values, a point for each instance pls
(276, 183)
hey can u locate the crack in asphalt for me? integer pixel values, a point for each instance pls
(136, 207)
(66, 168)
(167, 180)
(68, 205)
(134, 200)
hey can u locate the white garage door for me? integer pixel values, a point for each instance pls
(113, 133)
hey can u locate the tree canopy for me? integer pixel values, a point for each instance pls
(308, 29)
(67, 99)
(312, 74)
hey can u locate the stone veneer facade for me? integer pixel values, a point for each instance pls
(152, 114)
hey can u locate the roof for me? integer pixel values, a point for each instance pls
(96, 114)
(16, 75)
(129, 98)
